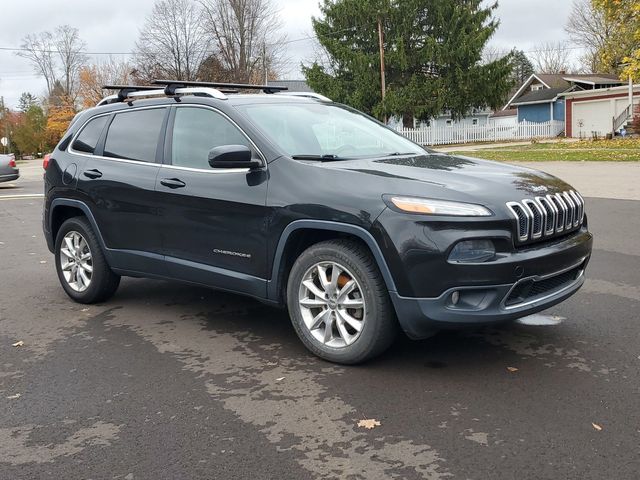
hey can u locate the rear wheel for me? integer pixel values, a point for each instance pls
(82, 268)
(339, 303)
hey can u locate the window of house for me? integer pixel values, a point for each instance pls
(134, 135)
(198, 130)
(449, 122)
(475, 121)
(88, 139)
(537, 87)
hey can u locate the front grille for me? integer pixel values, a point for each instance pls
(545, 217)
(527, 290)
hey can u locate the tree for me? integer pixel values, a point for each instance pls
(93, 77)
(29, 131)
(521, 67)
(247, 37)
(433, 57)
(173, 42)
(551, 57)
(58, 120)
(56, 56)
(38, 48)
(625, 43)
(590, 28)
(26, 101)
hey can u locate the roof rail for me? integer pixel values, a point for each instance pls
(317, 96)
(232, 86)
(143, 91)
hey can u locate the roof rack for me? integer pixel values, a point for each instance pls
(217, 85)
(129, 92)
(314, 95)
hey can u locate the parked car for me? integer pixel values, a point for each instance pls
(310, 205)
(8, 169)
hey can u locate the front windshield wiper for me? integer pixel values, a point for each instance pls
(399, 154)
(321, 158)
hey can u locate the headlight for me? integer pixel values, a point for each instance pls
(430, 206)
(473, 251)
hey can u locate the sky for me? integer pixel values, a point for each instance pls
(113, 27)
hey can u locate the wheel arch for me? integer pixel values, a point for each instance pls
(64, 208)
(301, 234)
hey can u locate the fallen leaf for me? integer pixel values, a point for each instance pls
(512, 369)
(43, 261)
(369, 423)
(279, 379)
(13, 397)
(597, 427)
(19, 343)
(85, 310)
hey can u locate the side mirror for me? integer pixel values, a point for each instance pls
(232, 156)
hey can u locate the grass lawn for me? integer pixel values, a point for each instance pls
(627, 150)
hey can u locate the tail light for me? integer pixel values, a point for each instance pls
(12, 162)
(45, 161)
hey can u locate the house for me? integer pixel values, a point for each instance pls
(504, 118)
(540, 98)
(599, 112)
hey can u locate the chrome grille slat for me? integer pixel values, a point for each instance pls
(571, 210)
(546, 216)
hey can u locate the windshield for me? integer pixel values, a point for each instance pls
(326, 131)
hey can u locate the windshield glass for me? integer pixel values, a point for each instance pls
(326, 131)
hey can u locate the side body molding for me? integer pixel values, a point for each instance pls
(361, 233)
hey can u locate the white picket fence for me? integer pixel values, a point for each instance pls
(485, 133)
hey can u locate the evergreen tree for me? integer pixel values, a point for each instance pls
(26, 101)
(521, 67)
(433, 54)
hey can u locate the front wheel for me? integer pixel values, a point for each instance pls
(82, 268)
(339, 303)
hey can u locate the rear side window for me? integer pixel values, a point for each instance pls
(87, 141)
(134, 135)
(198, 130)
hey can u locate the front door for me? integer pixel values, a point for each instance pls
(213, 220)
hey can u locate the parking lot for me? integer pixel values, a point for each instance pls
(170, 381)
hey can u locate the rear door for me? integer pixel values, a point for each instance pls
(118, 177)
(213, 220)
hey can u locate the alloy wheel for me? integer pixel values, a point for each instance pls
(76, 261)
(332, 304)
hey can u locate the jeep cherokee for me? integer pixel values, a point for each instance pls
(305, 203)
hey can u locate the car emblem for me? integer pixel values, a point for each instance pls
(539, 188)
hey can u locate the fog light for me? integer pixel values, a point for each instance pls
(455, 297)
(473, 251)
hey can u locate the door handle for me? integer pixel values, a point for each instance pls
(93, 173)
(172, 183)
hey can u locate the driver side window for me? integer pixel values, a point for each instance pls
(196, 131)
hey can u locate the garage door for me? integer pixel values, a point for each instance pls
(594, 116)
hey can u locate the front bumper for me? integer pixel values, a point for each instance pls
(558, 276)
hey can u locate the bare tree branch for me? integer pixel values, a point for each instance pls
(39, 48)
(173, 42)
(590, 28)
(551, 57)
(242, 30)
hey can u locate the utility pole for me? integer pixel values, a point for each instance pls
(264, 63)
(382, 73)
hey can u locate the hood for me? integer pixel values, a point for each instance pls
(452, 177)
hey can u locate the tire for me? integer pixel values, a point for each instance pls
(102, 283)
(359, 283)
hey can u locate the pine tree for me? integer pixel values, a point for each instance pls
(521, 67)
(433, 56)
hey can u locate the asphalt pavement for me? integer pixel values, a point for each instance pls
(170, 381)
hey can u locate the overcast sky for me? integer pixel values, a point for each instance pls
(113, 27)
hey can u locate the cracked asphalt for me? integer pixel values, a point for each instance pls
(169, 381)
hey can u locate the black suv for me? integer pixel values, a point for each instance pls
(304, 203)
